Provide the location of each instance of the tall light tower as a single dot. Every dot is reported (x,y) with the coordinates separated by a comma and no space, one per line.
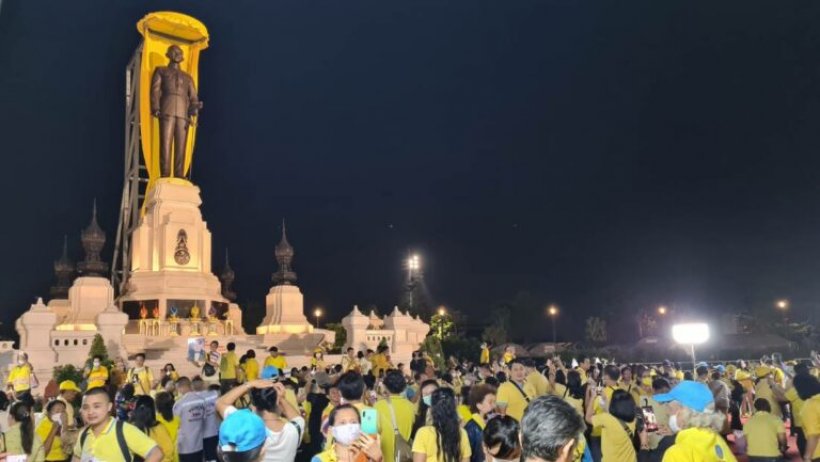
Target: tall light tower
(414,286)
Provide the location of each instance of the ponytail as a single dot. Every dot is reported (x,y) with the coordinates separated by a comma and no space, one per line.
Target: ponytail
(21,413)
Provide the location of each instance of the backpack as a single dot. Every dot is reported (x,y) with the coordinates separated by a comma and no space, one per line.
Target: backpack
(126,453)
(402,450)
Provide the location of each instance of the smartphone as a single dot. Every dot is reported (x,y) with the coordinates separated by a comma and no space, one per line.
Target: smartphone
(650,422)
(370,421)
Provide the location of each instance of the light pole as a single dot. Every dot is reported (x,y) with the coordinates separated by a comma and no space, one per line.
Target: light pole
(662,310)
(413,268)
(317,313)
(783,306)
(441,313)
(691,334)
(553,312)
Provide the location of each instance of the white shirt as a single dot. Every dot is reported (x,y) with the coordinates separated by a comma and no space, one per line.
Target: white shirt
(280,446)
(211,418)
(191,412)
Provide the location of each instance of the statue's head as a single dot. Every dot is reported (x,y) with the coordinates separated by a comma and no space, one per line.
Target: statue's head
(174,54)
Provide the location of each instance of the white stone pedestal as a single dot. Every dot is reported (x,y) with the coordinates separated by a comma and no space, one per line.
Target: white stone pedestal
(284,312)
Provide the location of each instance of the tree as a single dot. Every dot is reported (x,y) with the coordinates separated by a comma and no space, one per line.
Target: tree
(341,336)
(432,346)
(441,325)
(596,330)
(98,348)
(497,333)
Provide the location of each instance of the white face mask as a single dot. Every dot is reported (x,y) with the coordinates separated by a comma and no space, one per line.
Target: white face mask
(96,364)
(57,418)
(347,433)
(673,423)
(21,361)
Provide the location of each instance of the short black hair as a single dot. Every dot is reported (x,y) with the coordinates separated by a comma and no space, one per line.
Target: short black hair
(761,404)
(660,383)
(806,386)
(622,406)
(139,355)
(349,348)
(97,357)
(702,370)
(53,403)
(549,423)
(612,372)
(97,391)
(214,343)
(251,354)
(502,431)
(231,346)
(395,382)
(351,386)
(273,348)
(332,418)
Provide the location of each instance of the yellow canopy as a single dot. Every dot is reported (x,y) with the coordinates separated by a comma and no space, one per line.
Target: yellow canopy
(159,31)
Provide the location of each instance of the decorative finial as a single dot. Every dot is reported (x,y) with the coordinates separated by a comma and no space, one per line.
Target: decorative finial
(93,240)
(227,277)
(284,257)
(63,271)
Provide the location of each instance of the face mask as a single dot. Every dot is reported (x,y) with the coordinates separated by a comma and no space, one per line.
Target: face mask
(347,433)
(428,400)
(96,364)
(57,418)
(21,361)
(673,423)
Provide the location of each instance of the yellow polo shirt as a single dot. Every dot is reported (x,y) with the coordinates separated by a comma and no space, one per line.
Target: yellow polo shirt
(699,445)
(485,356)
(405,415)
(278,362)
(811,421)
(105,446)
(20,378)
(12,443)
(762,390)
(163,439)
(616,444)
(510,395)
(426,442)
(596,406)
(797,406)
(478,420)
(172,428)
(227,366)
(582,373)
(56,452)
(97,377)
(761,434)
(540,384)
(142,384)
(251,369)
(380,363)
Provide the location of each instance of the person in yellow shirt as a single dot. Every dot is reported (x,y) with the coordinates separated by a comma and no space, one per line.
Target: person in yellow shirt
(165,416)
(696,424)
(443,440)
(251,366)
(349,444)
(68,393)
(380,361)
(96,373)
(763,388)
(228,365)
(484,357)
(809,392)
(616,423)
(275,359)
(482,402)
(144,417)
(540,385)
(49,431)
(20,439)
(765,434)
(583,368)
(21,379)
(514,394)
(140,375)
(395,413)
(509,355)
(317,362)
(100,439)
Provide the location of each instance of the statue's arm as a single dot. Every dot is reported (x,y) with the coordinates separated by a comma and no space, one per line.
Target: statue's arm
(195,104)
(156,92)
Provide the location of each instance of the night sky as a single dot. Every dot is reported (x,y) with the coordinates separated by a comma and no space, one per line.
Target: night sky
(604,156)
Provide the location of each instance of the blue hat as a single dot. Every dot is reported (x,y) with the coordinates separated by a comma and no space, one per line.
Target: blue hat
(720,368)
(269,372)
(242,431)
(693,395)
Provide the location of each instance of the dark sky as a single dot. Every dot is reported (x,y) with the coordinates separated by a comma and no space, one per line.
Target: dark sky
(605,156)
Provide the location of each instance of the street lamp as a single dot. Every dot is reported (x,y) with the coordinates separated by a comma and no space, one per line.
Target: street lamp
(442,311)
(691,334)
(413,263)
(317,313)
(783,304)
(661,310)
(553,312)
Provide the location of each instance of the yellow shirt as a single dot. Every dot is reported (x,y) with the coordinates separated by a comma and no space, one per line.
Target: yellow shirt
(12,444)
(761,434)
(539,383)
(56,452)
(464,414)
(251,369)
(97,377)
(163,439)
(380,363)
(762,390)
(508,357)
(616,444)
(426,442)
(583,374)
(278,362)
(172,428)
(699,445)
(811,420)
(20,378)
(485,356)
(227,366)
(797,406)
(142,383)
(561,391)
(596,406)
(515,401)
(105,447)
(405,414)
(478,420)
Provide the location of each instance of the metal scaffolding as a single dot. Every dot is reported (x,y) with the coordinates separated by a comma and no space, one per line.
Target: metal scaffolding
(135,178)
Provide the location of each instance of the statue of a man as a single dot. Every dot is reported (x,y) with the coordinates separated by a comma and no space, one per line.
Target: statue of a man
(174,102)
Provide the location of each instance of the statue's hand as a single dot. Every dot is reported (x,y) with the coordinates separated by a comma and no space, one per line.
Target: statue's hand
(155,113)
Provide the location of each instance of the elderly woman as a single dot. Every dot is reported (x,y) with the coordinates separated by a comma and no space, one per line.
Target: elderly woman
(696,423)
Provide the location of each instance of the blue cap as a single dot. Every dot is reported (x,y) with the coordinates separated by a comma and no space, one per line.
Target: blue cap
(242,431)
(693,395)
(269,372)
(720,368)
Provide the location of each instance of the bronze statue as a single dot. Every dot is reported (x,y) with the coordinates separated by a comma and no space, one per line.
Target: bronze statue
(174,102)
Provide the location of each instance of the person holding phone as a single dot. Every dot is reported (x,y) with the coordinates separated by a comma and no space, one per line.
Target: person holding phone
(349,442)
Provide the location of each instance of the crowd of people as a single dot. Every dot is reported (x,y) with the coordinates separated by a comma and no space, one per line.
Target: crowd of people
(366,408)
